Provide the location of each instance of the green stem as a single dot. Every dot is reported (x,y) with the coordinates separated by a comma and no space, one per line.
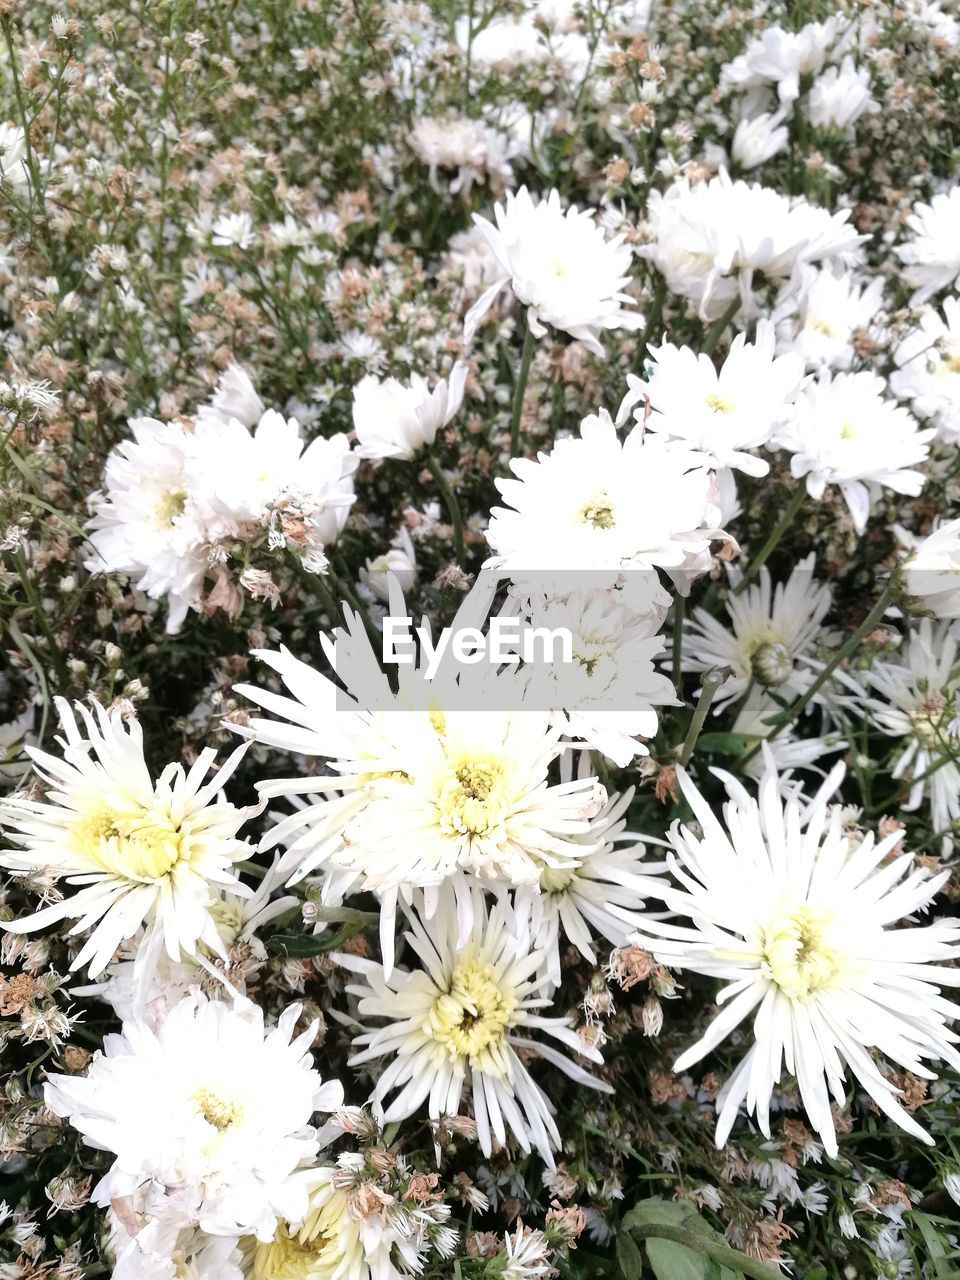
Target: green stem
(785,718)
(717,331)
(526,356)
(710,683)
(779,529)
(453,506)
(40,620)
(32,166)
(722,1254)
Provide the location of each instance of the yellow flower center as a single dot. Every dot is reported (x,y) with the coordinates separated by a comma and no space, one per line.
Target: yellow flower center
(953,364)
(472,798)
(556,879)
(598,512)
(219,1112)
(474,1014)
(822,326)
(931,720)
(798,953)
(169,507)
(718,404)
(313,1251)
(140,846)
(848,431)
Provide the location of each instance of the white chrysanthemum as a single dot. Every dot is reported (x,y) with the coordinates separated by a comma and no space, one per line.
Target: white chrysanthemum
(151,1236)
(349,1235)
(399,563)
(144,852)
(771,631)
(840,96)
(758,139)
(601,897)
(787,751)
(212,1107)
(781,57)
(459,1020)
(478,153)
(13,152)
(712,239)
(544,32)
(933,571)
(821,311)
(795,918)
(234,398)
(721,414)
(560,266)
(846,432)
(928,369)
(931,257)
(394,420)
(596,503)
(915,697)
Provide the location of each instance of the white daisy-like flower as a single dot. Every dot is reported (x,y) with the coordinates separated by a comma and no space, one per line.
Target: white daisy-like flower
(150,1231)
(477,152)
(459,1020)
(234,397)
(928,369)
(211,1107)
(143,852)
(722,414)
(349,1235)
(560,266)
(915,697)
(713,239)
(601,897)
(787,751)
(933,571)
(798,920)
(848,433)
(772,630)
(394,420)
(931,258)
(758,139)
(399,563)
(840,96)
(820,311)
(781,57)
(13,164)
(596,503)
(232,230)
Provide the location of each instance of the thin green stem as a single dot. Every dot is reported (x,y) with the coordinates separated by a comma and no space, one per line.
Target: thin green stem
(32,167)
(710,684)
(776,533)
(40,620)
(453,506)
(722,1254)
(523,374)
(717,331)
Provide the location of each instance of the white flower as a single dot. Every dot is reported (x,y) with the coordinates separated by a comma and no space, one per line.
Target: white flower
(469,256)
(770,634)
(528,1255)
(150,1232)
(787,751)
(477,152)
(393,420)
(840,96)
(602,896)
(933,571)
(914,697)
(713,238)
(234,397)
(928,369)
(211,1107)
(596,503)
(794,918)
(846,432)
(400,562)
(560,266)
(459,1020)
(233,229)
(820,312)
(13,151)
(145,852)
(758,139)
(721,414)
(932,257)
(781,57)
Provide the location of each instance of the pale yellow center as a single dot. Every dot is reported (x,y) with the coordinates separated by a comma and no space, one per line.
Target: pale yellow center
(313,1251)
(169,507)
(847,431)
(474,1014)
(140,846)
(472,796)
(798,952)
(931,719)
(822,326)
(556,879)
(598,512)
(953,364)
(718,404)
(219,1112)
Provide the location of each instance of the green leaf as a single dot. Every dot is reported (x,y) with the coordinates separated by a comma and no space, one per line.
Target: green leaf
(674,1261)
(629,1257)
(725,744)
(675,1213)
(303,945)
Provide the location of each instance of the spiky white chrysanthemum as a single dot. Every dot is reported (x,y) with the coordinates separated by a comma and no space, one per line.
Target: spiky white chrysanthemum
(145,853)
(848,433)
(771,631)
(781,57)
(788,751)
(212,1107)
(602,896)
(915,697)
(820,312)
(932,574)
(712,239)
(721,414)
(459,1020)
(928,369)
(354,1229)
(396,420)
(795,917)
(840,96)
(560,266)
(597,503)
(932,257)
(759,138)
